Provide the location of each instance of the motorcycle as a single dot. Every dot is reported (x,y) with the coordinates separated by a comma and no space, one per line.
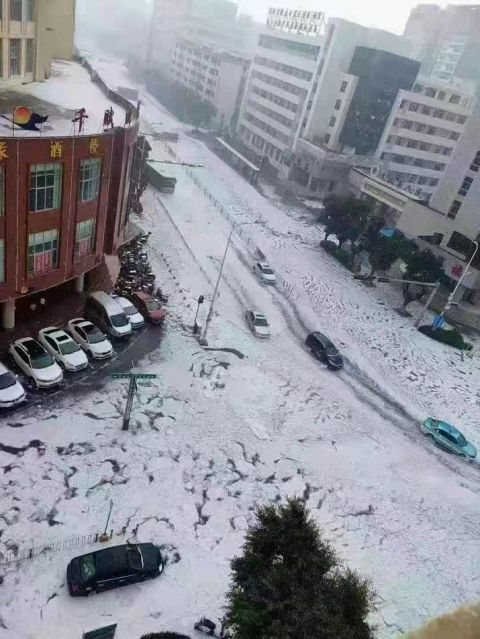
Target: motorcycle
(208,627)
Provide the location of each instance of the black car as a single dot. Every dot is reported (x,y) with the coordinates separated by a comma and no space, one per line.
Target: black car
(324,350)
(113,567)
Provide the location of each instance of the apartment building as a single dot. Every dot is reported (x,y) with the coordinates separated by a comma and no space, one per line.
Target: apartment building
(215,75)
(32,33)
(422,133)
(282,79)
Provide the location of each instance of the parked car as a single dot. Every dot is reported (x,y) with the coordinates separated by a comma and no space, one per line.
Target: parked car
(448,437)
(90,338)
(108,315)
(113,567)
(258,324)
(36,363)
(63,348)
(265,272)
(131,311)
(11,391)
(149,307)
(324,350)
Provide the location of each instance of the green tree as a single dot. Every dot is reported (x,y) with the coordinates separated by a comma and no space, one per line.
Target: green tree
(345,217)
(382,254)
(422,266)
(289,584)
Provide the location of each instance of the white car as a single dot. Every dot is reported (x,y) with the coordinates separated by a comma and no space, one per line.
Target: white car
(36,363)
(11,391)
(258,324)
(265,272)
(63,348)
(131,311)
(90,338)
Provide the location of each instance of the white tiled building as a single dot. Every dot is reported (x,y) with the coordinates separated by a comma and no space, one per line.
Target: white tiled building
(215,75)
(422,133)
(282,79)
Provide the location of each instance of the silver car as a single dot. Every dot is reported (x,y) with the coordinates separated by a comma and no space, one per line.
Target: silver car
(258,324)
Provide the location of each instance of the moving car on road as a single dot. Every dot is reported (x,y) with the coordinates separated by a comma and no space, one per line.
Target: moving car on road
(258,324)
(324,350)
(90,338)
(265,272)
(11,391)
(448,437)
(149,307)
(36,363)
(133,314)
(113,567)
(63,348)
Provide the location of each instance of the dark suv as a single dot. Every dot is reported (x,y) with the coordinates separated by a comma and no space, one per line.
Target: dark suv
(113,567)
(324,350)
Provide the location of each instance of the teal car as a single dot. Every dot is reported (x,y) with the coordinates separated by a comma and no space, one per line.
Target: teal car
(448,437)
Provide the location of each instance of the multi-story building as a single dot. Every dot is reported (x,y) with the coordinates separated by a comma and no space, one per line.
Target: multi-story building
(282,80)
(422,133)
(32,33)
(215,75)
(448,38)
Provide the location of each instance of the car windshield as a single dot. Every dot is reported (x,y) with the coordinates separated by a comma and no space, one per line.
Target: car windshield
(119,320)
(87,567)
(267,270)
(134,558)
(7,380)
(152,305)
(94,336)
(39,357)
(68,347)
(261,321)
(130,310)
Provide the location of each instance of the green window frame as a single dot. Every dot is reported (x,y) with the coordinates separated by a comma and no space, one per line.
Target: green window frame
(45,187)
(90,178)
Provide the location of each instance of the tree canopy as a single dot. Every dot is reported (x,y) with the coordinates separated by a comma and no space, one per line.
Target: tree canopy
(345,217)
(289,584)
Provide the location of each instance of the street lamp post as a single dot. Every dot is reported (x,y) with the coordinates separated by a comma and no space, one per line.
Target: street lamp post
(210,310)
(448,303)
(200,301)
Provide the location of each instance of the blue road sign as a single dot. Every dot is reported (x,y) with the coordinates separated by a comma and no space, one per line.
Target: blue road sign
(438,322)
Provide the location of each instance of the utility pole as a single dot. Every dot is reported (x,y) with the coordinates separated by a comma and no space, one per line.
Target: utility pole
(132,388)
(210,310)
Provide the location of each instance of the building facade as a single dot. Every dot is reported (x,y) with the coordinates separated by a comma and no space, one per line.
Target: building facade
(63,205)
(282,80)
(424,128)
(215,75)
(32,33)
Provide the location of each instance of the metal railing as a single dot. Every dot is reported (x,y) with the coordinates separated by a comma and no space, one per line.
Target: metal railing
(13,555)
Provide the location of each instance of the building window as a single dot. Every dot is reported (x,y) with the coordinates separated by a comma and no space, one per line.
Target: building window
(466,184)
(90,179)
(476,162)
(461,119)
(29,57)
(2,191)
(454,99)
(15,60)
(85,238)
(327,138)
(2,261)
(42,252)
(16,10)
(441,95)
(430,92)
(45,187)
(417,88)
(338,104)
(343,86)
(30,10)
(332,121)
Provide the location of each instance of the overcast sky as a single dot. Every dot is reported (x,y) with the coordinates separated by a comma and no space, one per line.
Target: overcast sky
(384,14)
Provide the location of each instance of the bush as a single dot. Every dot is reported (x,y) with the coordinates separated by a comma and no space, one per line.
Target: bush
(342,256)
(445,336)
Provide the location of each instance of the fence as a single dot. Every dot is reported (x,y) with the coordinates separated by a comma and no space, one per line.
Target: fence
(14,555)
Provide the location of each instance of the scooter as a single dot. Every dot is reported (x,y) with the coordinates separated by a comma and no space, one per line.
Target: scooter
(209,628)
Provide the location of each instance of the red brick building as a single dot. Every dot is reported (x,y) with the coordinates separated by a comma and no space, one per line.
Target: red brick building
(63,206)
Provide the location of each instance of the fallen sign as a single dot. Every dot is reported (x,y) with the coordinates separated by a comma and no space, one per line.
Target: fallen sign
(107,632)
(135,375)
(132,388)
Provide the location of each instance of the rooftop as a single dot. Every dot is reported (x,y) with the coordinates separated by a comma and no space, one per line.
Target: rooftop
(68,89)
